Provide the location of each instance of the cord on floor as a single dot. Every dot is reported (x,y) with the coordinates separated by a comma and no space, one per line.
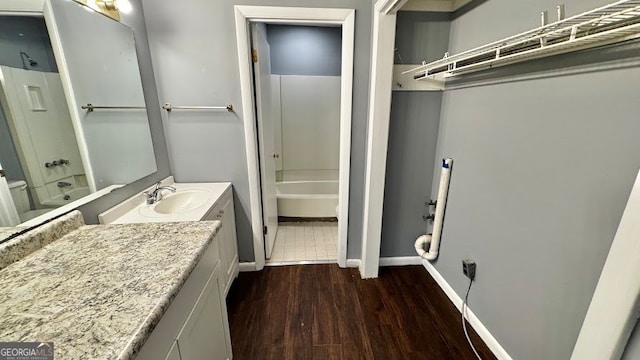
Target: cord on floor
(464,320)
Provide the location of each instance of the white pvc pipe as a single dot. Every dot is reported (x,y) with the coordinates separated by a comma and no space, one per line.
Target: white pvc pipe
(433,240)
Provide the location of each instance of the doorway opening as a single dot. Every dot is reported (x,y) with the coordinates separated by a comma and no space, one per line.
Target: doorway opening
(297,94)
(296,72)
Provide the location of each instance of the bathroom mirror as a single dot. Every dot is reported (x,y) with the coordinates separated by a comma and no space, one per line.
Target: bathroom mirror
(73,121)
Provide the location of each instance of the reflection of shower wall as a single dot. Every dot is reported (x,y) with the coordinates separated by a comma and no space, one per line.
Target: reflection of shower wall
(34,41)
(308,125)
(41,129)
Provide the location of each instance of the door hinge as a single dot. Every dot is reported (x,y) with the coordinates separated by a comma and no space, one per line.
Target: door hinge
(254,55)
(264,230)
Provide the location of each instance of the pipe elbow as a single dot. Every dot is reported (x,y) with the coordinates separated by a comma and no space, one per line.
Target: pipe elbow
(420,244)
(420,248)
(430,255)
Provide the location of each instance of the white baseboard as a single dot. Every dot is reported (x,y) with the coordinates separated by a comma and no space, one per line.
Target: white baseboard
(482,331)
(400,261)
(247,266)
(353,263)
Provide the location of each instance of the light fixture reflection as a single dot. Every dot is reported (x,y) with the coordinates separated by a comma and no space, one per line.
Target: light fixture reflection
(124,6)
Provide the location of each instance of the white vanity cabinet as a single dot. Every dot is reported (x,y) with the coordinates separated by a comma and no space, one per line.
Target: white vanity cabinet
(228,243)
(196,325)
(215,202)
(200,338)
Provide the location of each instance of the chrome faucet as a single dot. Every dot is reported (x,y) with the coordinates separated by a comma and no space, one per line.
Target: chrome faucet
(63,184)
(156,194)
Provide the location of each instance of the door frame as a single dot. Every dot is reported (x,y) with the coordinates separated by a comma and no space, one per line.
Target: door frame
(380,93)
(295,15)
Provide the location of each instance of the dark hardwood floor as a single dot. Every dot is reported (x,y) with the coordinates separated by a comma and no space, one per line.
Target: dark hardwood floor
(324,312)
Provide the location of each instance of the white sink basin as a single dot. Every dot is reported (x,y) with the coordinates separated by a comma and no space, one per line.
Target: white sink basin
(177,203)
(190,202)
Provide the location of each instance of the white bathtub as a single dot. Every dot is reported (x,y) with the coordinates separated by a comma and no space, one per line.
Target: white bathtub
(313,199)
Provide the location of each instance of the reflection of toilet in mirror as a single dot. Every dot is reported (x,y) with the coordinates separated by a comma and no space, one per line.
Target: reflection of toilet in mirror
(20,196)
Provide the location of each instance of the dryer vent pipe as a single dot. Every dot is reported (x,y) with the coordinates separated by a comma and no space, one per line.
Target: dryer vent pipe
(432,241)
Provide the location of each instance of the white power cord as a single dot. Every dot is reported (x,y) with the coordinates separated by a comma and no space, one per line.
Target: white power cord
(464,320)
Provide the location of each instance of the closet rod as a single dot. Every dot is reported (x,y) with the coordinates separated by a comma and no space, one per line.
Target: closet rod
(170,107)
(91,107)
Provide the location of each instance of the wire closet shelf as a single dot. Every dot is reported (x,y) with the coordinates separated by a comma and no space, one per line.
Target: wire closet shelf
(616,22)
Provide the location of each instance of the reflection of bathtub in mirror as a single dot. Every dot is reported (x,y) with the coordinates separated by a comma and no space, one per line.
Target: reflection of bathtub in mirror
(45,137)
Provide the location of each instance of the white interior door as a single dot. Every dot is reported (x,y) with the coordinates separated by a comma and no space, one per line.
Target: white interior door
(264,115)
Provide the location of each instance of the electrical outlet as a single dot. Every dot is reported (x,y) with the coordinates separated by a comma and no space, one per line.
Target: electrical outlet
(469,268)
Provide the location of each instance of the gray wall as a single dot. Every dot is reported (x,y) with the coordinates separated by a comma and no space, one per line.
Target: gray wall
(305,50)
(421,36)
(542,170)
(135,20)
(413,134)
(195,59)
(27,34)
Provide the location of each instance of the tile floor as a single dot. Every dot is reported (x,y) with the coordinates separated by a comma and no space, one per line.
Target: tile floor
(299,241)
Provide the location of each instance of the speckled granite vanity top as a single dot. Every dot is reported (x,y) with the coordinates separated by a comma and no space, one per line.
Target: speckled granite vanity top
(6,231)
(35,239)
(99,291)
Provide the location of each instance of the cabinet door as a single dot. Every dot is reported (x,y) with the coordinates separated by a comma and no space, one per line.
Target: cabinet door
(204,334)
(173,354)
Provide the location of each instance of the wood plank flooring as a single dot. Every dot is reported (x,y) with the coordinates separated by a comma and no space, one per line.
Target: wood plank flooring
(324,312)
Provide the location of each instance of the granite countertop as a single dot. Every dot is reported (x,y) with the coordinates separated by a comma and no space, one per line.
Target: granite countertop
(35,239)
(99,291)
(6,231)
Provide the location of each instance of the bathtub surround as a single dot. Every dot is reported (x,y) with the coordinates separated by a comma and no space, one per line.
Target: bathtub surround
(306,100)
(309,123)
